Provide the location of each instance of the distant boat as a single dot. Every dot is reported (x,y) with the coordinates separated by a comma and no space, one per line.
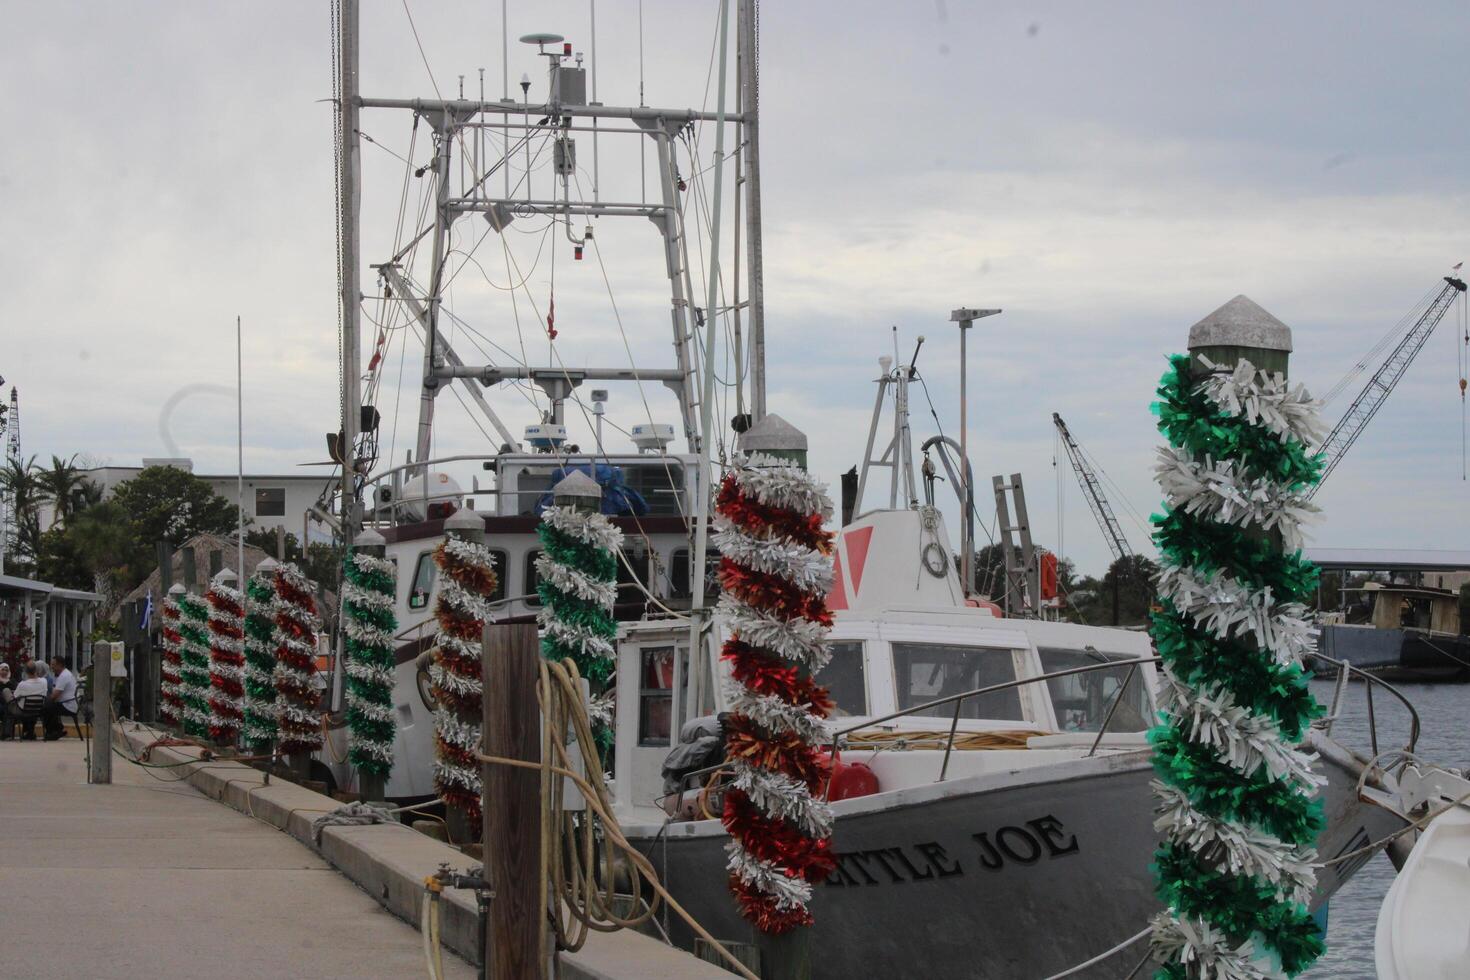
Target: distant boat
(1401,632)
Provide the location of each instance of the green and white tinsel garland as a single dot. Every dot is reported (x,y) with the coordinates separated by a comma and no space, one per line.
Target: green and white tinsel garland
(577,576)
(1235,789)
(368,586)
(259,729)
(194,669)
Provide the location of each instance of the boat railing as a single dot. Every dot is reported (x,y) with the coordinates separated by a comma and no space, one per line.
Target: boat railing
(391,512)
(958,701)
(1345,673)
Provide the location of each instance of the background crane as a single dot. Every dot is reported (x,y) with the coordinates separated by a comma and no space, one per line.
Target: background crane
(1092,490)
(1378,388)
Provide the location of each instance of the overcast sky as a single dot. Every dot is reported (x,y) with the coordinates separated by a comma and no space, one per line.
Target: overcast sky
(1108,174)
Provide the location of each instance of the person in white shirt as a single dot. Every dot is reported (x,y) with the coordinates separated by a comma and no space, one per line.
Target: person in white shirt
(33,683)
(63,699)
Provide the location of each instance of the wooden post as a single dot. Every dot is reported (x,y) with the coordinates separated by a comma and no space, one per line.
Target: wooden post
(515,937)
(372,786)
(464,525)
(190,572)
(101,713)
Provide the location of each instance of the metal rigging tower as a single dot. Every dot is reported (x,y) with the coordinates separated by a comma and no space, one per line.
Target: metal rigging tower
(1092,490)
(10,429)
(1378,388)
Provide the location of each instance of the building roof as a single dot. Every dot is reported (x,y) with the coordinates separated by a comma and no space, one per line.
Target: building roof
(1389,559)
(201,545)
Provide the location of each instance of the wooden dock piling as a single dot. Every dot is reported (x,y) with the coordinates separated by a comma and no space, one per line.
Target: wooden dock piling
(515,945)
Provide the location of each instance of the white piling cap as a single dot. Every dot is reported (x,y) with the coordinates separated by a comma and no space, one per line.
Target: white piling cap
(464,519)
(269,566)
(1240,323)
(577,484)
(225,576)
(370,538)
(772,434)
(177,589)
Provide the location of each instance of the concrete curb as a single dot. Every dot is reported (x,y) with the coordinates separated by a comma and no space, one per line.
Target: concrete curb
(390,863)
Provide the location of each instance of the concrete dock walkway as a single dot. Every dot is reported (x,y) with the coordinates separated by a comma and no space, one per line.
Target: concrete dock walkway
(148,878)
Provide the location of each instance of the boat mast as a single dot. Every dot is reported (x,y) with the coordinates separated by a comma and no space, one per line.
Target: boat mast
(749,68)
(348,248)
(707,407)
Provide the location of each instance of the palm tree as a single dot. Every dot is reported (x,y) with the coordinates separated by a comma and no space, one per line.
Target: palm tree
(62,483)
(22,484)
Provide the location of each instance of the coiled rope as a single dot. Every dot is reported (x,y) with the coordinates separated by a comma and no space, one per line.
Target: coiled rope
(582,873)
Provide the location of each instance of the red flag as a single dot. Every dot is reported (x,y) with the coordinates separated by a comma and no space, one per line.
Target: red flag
(551,318)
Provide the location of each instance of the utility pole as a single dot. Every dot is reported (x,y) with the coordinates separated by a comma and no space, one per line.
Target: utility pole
(348,247)
(966,318)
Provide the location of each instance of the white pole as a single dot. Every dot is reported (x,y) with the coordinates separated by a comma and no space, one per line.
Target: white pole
(707,395)
(240,448)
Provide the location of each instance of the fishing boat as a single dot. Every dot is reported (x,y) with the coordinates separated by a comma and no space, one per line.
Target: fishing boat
(995,816)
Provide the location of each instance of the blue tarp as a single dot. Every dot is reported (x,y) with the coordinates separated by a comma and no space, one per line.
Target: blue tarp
(618,499)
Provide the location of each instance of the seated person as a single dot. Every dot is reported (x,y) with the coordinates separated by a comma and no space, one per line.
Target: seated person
(63,699)
(32,684)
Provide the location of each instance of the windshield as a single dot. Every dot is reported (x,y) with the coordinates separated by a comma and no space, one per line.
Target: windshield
(845,679)
(927,671)
(1081,701)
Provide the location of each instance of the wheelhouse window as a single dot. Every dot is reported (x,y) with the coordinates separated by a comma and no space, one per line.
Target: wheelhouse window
(1082,701)
(846,679)
(929,671)
(270,501)
(532,579)
(422,586)
(656,694)
(498,562)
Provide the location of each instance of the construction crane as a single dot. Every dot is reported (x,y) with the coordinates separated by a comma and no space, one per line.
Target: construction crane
(1378,388)
(1092,490)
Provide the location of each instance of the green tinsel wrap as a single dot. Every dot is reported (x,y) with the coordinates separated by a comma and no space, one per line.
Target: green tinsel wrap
(585,616)
(1188,540)
(1187,418)
(260,662)
(1227,589)
(368,588)
(194,670)
(1239,904)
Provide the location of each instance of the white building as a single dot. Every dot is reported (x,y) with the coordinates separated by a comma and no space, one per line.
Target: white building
(270,501)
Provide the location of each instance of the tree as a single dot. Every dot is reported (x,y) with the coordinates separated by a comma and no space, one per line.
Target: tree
(164,503)
(110,547)
(321,562)
(64,485)
(22,482)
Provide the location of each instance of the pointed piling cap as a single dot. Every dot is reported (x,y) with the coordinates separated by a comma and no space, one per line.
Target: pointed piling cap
(177,589)
(267,567)
(577,484)
(464,519)
(772,434)
(225,576)
(1240,323)
(370,538)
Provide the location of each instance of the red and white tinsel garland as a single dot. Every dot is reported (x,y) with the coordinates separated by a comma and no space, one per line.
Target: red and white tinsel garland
(170,703)
(226,662)
(298,684)
(775,572)
(462,609)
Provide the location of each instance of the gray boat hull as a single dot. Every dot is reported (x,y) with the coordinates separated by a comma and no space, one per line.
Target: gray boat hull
(1018,874)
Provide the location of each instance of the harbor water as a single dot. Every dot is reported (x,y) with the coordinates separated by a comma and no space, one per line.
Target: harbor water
(1444,710)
